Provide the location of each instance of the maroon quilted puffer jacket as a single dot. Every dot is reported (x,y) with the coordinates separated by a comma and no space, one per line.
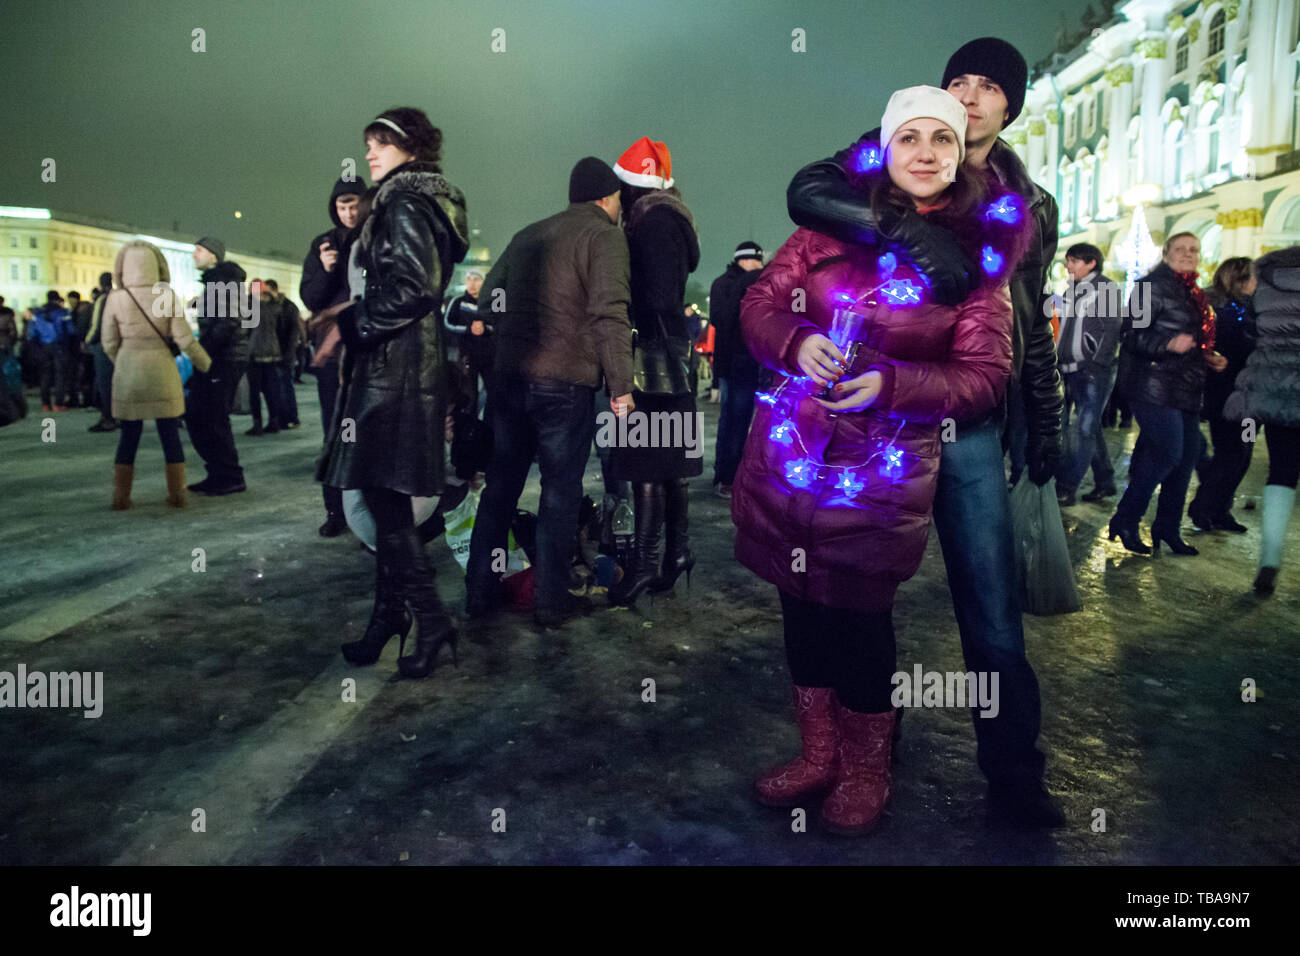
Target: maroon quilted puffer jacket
(937,362)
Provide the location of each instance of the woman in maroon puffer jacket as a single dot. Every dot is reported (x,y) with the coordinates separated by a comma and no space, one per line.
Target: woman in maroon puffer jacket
(832,502)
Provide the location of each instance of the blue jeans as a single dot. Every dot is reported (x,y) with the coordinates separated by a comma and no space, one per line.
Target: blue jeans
(1165,454)
(1086,393)
(733,423)
(972,514)
(552,421)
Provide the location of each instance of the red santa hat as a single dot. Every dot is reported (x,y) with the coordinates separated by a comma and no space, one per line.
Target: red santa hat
(646,164)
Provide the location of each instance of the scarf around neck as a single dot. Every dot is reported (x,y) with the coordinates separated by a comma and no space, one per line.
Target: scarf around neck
(1202,304)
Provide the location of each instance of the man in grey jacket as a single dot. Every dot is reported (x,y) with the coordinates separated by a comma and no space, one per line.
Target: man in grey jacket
(1091,321)
(558,298)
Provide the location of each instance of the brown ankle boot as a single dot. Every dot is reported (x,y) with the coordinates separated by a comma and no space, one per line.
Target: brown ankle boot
(813,772)
(122,478)
(176,484)
(861,792)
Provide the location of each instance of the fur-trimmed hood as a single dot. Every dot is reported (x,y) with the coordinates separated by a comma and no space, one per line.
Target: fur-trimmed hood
(423,180)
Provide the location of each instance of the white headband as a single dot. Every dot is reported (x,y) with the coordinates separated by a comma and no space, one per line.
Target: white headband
(392,125)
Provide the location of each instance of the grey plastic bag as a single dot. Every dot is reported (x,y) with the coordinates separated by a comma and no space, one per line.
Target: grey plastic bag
(1042,556)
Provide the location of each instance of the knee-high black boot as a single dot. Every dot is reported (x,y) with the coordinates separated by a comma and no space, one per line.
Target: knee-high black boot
(389,616)
(644,566)
(433,625)
(678,556)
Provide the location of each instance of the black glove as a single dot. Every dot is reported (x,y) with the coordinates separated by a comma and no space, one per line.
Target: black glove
(934,251)
(1041,458)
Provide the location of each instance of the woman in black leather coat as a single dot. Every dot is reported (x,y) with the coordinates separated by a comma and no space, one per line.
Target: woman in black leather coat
(1167,347)
(663,250)
(388,438)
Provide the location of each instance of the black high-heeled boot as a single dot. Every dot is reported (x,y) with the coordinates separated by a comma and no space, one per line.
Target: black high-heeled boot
(433,625)
(1172,538)
(678,557)
(1128,534)
(644,565)
(388,618)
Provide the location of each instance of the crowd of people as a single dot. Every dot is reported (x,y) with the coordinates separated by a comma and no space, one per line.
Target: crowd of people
(911,298)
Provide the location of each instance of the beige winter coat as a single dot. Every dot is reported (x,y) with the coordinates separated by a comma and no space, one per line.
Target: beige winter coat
(146,383)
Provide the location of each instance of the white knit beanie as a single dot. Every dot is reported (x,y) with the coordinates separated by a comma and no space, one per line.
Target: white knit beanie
(924,101)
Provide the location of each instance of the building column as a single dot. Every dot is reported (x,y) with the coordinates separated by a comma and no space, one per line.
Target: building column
(1121,109)
(1052,140)
(1259,77)
(1037,129)
(1283,80)
(1152,51)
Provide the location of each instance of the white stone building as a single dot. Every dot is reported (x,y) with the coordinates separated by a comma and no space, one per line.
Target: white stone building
(1198,103)
(42,250)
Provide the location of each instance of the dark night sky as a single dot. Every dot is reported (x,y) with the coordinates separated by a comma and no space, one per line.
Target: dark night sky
(147,132)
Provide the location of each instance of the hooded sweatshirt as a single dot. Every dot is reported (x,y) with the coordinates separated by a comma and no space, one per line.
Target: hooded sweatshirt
(320,289)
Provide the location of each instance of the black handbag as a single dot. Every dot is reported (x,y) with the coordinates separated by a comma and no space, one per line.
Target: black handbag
(659,365)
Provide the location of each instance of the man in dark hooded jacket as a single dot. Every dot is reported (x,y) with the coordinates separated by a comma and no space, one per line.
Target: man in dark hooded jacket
(972,511)
(325,286)
(733,366)
(222,306)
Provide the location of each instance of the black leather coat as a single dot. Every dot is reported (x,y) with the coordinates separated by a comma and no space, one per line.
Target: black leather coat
(1148,371)
(389,427)
(822,197)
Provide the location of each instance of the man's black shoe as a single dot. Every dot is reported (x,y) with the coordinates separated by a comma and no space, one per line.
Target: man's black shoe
(1099,493)
(201,486)
(103,425)
(217,490)
(257,430)
(1065,499)
(1026,806)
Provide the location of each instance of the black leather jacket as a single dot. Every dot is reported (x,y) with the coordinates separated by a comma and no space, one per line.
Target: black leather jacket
(1148,371)
(822,197)
(395,387)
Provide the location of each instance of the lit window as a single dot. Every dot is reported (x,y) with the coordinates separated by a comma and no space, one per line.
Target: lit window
(1216,32)
(35,272)
(1180,54)
(13,272)
(13,242)
(31,241)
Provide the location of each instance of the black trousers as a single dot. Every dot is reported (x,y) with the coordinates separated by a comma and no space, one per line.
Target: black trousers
(1223,473)
(264,379)
(390,509)
(207,419)
(851,651)
(327,390)
(1283,455)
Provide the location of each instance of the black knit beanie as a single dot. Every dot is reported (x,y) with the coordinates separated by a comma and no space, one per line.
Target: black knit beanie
(1000,62)
(592,179)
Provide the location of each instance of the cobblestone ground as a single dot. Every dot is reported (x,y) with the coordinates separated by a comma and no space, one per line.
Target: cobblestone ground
(222,693)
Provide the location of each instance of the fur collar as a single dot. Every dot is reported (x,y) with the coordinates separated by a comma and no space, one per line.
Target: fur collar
(421,179)
(417,177)
(672,198)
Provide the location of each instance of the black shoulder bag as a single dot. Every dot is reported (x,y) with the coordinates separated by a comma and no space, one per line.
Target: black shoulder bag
(167,339)
(659,365)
